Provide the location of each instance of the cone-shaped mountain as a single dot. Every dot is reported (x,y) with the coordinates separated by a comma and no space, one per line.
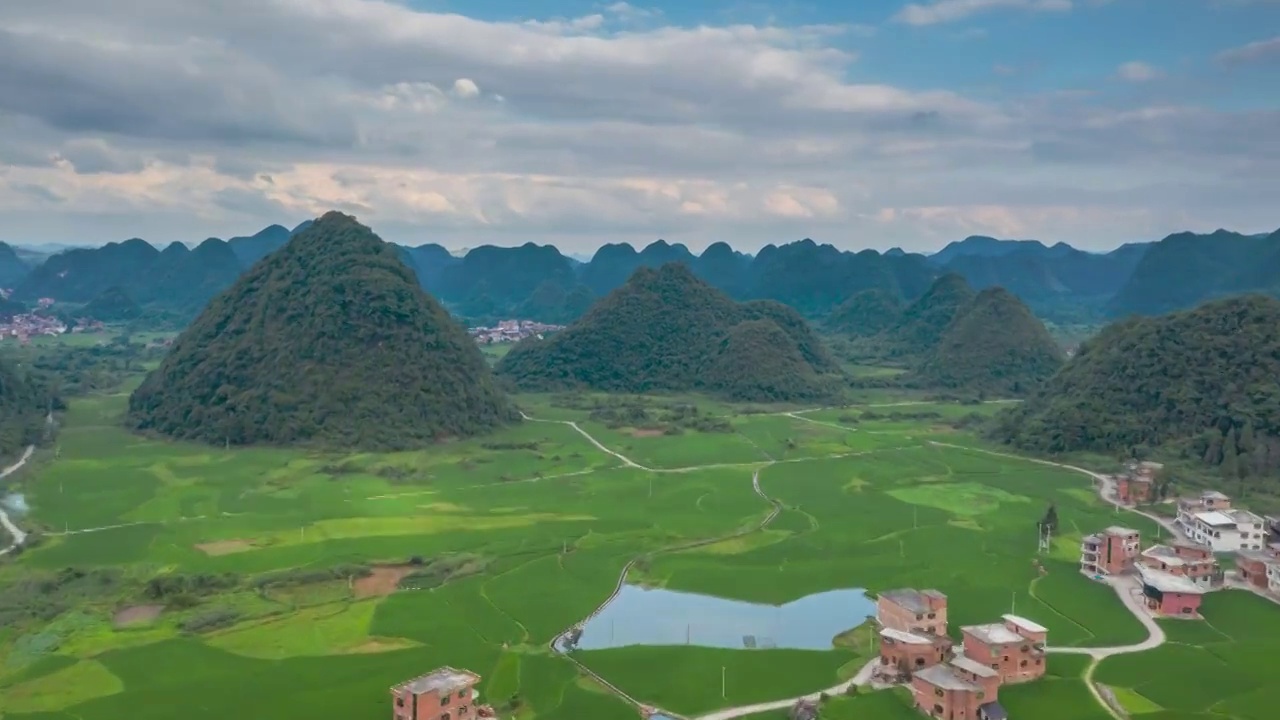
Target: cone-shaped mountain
(328,341)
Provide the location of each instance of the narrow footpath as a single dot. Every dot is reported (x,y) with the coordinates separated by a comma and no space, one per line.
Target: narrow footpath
(19,537)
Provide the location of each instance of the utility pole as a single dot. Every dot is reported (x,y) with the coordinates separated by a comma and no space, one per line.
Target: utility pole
(1013,603)
(723,694)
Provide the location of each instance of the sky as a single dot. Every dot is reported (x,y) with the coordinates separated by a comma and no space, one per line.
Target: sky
(867,124)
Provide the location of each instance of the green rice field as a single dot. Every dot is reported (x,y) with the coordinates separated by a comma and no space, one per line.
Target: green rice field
(285,584)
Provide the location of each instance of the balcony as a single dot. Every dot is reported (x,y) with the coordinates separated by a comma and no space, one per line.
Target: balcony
(1089,547)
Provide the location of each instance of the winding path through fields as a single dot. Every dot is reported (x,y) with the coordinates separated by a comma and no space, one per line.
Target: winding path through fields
(19,537)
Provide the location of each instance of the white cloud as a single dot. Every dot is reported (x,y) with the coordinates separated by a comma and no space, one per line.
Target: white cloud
(181,120)
(465,88)
(1136,71)
(946,11)
(1252,52)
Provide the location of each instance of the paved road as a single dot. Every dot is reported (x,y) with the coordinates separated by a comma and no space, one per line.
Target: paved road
(1129,590)
(19,537)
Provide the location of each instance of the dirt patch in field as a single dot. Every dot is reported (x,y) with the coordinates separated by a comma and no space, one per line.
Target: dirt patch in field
(137,615)
(646,432)
(382,581)
(224,547)
(379,646)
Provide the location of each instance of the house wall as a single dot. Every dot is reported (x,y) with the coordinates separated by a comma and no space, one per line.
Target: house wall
(1273,578)
(1016,662)
(1253,572)
(945,704)
(459,706)
(1175,604)
(910,657)
(893,615)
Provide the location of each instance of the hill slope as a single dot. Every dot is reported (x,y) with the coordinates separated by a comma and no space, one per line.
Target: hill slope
(329,340)
(1193,378)
(994,345)
(865,314)
(758,362)
(922,324)
(23,405)
(662,330)
(112,305)
(12,268)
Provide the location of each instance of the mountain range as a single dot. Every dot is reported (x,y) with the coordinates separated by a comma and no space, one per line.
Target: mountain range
(1058,282)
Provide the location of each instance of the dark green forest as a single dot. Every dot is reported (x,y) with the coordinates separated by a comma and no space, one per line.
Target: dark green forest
(666,330)
(329,341)
(1199,384)
(25,400)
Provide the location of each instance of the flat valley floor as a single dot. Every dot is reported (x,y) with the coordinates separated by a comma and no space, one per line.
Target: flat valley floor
(304,585)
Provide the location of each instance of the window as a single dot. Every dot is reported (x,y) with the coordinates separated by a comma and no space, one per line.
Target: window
(938,692)
(445,716)
(1022,664)
(444,700)
(919,616)
(1025,648)
(400,702)
(1038,661)
(933,615)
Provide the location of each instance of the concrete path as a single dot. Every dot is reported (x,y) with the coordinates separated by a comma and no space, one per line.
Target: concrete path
(1129,591)
(19,537)
(863,678)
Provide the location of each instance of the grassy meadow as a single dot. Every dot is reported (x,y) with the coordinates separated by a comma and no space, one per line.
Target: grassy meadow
(292,584)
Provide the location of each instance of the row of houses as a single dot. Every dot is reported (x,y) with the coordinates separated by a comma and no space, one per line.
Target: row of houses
(511,331)
(949,681)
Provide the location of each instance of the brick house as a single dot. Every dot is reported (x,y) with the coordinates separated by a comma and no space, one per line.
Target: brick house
(442,694)
(1186,558)
(1014,649)
(959,690)
(1109,552)
(913,611)
(1170,595)
(910,652)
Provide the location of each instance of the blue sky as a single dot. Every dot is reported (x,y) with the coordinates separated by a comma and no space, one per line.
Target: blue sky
(865,124)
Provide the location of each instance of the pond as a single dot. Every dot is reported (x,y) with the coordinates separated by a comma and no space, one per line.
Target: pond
(649,616)
(15,503)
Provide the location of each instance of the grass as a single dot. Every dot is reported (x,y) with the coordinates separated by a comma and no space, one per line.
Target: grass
(1222,669)
(550,520)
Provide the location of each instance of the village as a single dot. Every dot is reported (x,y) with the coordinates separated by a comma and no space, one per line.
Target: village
(962,680)
(509,331)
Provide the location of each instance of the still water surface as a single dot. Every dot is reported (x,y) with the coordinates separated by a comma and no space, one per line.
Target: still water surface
(641,616)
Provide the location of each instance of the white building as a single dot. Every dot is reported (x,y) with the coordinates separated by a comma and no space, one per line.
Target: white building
(1226,530)
(1273,578)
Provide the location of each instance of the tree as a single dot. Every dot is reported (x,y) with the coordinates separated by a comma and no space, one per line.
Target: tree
(1049,523)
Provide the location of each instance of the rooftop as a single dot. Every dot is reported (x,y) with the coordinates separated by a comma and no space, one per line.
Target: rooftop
(916,601)
(1215,518)
(906,637)
(993,711)
(1243,516)
(442,680)
(1258,556)
(1213,495)
(993,634)
(1025,624)
(973,666)
(1165,582)
(944,677)
(1118,530)
(1164,554)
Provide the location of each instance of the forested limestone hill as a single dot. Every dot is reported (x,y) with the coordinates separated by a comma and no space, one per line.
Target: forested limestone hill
(24,403)
(995,345)
(665,329)
(865,314)
(1202,382)
(327,341)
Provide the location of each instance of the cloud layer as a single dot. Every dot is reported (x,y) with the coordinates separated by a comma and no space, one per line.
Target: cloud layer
(180,120)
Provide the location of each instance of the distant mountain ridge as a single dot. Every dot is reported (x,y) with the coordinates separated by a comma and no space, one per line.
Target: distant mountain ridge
(1058,282)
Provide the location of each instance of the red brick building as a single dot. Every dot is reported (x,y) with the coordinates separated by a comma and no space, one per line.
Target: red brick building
(442,694)
(959,690)
(913,611)
(1185,558)
(1109,552)
(1170,595)
(1259,567)
(913,629)
(1014,649)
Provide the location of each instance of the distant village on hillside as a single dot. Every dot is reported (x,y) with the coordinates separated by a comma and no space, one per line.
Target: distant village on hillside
(25,326)
(511,331)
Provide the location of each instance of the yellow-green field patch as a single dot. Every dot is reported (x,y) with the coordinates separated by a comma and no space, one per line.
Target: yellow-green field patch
(86,680)
(957,498)
(325,630)
(744,543)
(1134,703)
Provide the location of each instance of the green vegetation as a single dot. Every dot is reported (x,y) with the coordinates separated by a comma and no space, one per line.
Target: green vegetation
(865,314)
(112,305)
(921,326)
(994,345)
(329,340)
(666,330)
(12,268)
(1198,384)
(1227,675)
(24,403)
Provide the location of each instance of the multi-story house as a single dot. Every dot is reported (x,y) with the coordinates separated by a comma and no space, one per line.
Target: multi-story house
(442,694)
(1109,552)
(1205,502)
(1014,649)
(958,690)
(1185,558)
(1226,530)
(1137,484)
(913,629)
